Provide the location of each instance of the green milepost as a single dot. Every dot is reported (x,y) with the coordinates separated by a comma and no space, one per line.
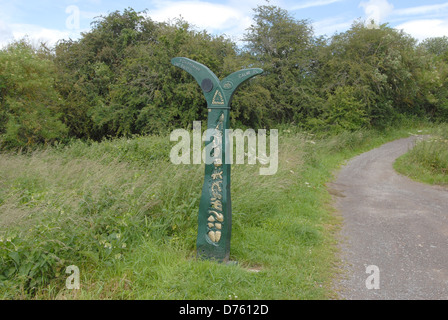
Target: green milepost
(215,208)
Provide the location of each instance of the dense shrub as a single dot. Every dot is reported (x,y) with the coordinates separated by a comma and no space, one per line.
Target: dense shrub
(117,79)
(29,102)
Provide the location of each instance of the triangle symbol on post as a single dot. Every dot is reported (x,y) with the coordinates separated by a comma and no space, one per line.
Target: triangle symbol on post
(218,98)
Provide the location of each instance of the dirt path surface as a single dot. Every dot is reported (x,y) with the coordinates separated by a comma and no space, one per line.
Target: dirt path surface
(391,222)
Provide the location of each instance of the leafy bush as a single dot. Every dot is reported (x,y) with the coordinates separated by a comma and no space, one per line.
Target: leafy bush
(29,103)
(117,79)
(344,111)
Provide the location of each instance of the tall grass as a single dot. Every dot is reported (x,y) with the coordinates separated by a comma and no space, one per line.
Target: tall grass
(58,209)
(127,217)
(428,160)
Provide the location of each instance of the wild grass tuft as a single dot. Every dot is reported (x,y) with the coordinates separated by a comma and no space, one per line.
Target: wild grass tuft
(428,160)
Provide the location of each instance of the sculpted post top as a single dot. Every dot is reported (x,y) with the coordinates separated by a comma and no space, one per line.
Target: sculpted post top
(217,93)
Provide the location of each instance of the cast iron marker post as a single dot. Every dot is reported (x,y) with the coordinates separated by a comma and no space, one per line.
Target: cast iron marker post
(215,208)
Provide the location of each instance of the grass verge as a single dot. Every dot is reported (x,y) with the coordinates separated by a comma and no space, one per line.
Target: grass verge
(126,216)
(428,161)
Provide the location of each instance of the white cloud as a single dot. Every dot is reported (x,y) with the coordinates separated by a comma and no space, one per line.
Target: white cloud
(425,28)
(424,21)
(316,3)
(377,10)
(13,30)
(330,26)
(215,18)
(5,33)
(34,33)
(420,10)
(50,36)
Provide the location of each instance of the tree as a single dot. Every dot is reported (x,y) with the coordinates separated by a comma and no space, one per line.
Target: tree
(434,79)
(29,102)
(119,79)
(285,48)
(437,46)
(381,65)
(88,69)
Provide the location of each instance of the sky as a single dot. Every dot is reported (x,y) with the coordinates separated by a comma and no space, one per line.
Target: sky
(51,20)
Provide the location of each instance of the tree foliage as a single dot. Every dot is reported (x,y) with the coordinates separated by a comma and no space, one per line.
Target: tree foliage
(120,81)
(117,79)
(381,65)
(29,102)
(284,48)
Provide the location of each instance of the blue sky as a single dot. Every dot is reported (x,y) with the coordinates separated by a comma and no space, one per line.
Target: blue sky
(51,20)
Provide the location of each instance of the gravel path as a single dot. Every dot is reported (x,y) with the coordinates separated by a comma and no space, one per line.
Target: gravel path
(396,225)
